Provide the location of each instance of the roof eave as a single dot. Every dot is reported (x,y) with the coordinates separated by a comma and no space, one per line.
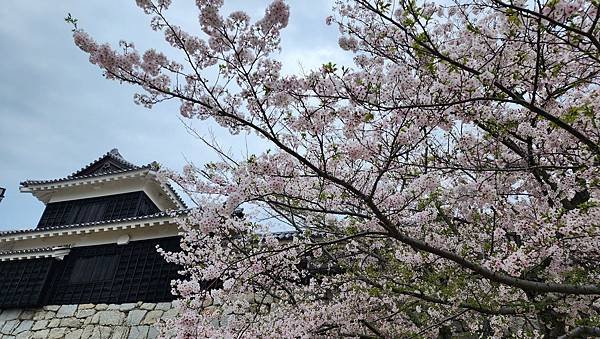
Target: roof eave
(58,252)
(72,181)
(167,188)
(93,227)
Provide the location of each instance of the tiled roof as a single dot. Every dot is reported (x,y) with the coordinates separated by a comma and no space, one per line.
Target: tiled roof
(93,223)
(177,196)
(30,253)
(34,250)
(51,181)
(111,155)
(114,155)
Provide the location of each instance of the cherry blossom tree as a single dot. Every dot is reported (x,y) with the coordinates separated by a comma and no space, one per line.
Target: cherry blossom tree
(446,182)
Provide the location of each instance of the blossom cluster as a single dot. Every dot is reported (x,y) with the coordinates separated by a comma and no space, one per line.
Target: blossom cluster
(447,180)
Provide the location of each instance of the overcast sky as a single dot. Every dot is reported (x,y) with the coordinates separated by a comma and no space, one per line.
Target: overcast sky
(57,113)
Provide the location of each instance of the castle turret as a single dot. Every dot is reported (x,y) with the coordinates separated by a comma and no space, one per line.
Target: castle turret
(96,239)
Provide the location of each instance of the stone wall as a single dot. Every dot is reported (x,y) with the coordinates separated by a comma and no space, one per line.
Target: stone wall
(86,321)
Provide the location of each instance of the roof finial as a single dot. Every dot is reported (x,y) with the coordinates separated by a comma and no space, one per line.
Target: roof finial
(115,153)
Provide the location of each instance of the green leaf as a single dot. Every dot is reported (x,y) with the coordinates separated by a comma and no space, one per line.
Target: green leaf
(575,112)
(383,6)
(266,89)
(329,67)
(71,20)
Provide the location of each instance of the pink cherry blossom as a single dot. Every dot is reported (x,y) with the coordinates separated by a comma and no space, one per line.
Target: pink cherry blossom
(445,183)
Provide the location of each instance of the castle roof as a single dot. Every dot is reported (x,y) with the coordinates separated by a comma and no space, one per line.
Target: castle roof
(110,163)
(109,167)
(94,225)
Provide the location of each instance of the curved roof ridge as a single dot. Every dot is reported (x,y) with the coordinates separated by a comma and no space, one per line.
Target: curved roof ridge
(112,154)
(84,176)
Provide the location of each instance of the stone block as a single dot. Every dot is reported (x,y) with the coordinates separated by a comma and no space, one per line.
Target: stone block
(110,317)
(172,313)
(95,319)
(25,325)
(39,315)
(66,311)
(163,306)
(138,332)
(148,306)
(54,323)
(85,306)
(27,315)
(113,307)
(105,331)
(152,317)
(127,307)
(43,334)
(96,333)
(50,315)
(51,308)
(85,313)
(120,332)
(101,307)
(70,322)
(87,332)
(76,334)
(39,324)
(10,314)
(57,333)
(152,333)
(9,326)
(135,317)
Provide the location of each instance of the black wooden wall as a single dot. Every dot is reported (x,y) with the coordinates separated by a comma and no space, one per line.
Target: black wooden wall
(22,282)
(108,207)
(109,274)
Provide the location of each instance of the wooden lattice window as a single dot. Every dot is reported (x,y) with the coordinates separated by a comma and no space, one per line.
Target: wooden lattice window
(97,209)
(22,282)
(114,274)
